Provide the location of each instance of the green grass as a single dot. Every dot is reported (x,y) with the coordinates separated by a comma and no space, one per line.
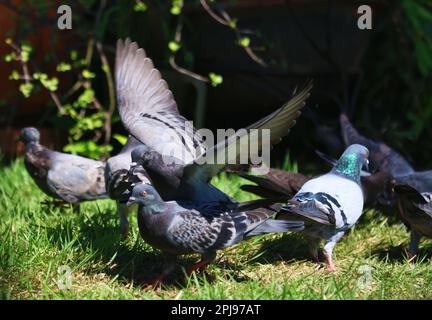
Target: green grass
(36,240)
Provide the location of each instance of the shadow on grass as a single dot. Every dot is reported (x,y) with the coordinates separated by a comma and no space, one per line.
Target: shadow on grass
(398,254)
(290,247)
(129,260)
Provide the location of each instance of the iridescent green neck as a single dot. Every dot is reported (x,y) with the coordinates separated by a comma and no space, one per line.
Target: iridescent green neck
(152,208)
(349,167)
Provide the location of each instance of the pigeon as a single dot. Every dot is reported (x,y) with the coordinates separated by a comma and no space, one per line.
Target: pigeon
(330,204)
(176,154)
(415,210)
(377,187)
(382,157)
(68,177)
(119,176)
(178,228)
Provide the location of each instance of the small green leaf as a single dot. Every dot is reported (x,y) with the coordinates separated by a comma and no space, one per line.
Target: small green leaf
(26,89)
(9,57)
(88,74)
(233,23)
(73,55)
(140,6)
(8,41)
(26,48)
(63,67)
(105,68)
(176,7)
(84,99)
(50,84)
(14,75)
(244,42)
(174,46)
(215,79)
(120,138)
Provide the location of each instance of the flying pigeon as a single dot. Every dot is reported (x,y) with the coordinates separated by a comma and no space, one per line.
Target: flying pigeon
(119,177)
(178,228)
(330,204)
(68,177)
(415,210)
(176,154)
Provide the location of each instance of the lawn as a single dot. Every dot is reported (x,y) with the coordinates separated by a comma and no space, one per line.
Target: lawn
(40,245)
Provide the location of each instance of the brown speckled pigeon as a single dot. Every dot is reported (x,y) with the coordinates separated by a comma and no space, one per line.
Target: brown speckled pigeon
(415,210)
(178,228)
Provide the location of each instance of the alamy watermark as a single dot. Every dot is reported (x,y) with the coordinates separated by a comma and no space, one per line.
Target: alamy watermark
(64,21)
(227,147)
(64,277)
(364,22)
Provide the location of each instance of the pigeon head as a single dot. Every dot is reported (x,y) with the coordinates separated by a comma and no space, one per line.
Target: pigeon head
(144,194)
(349,165)
(29,134)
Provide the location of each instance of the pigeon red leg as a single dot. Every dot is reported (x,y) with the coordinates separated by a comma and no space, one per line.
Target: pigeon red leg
(156,282)
(205,260)
(331,267)
(328,252)
(198,266)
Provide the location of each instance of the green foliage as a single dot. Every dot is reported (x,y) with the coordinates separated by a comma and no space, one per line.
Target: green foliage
(120,138)
(63,67)
(215,79)
(174,46)
(26,89)
(289,165)
(419,14)
(176,7)
(140,6)
(89,148)
(244,42)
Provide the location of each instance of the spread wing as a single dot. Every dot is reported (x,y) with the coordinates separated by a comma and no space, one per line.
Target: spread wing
(147,107)
(237,147)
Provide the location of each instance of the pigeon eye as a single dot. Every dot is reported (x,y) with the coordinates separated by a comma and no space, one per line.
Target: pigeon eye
(143,193)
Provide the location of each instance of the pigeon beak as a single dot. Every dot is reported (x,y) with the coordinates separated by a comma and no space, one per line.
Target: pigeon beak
(366,165)
(131,201)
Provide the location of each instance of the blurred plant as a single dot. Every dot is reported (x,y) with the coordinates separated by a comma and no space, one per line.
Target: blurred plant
(79,103)
(402,80)
(87,107)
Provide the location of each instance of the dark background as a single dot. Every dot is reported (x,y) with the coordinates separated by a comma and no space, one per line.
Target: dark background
(382,77)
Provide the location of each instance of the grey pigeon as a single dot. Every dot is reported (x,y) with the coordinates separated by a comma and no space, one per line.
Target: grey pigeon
(68,177)
(119,177)
(330,204)
(178,228)
(415,210)
(175,152)
(377,187)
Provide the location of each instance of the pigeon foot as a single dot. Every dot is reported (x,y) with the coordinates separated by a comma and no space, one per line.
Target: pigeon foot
(155,284)
(198,266)
(331,267)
